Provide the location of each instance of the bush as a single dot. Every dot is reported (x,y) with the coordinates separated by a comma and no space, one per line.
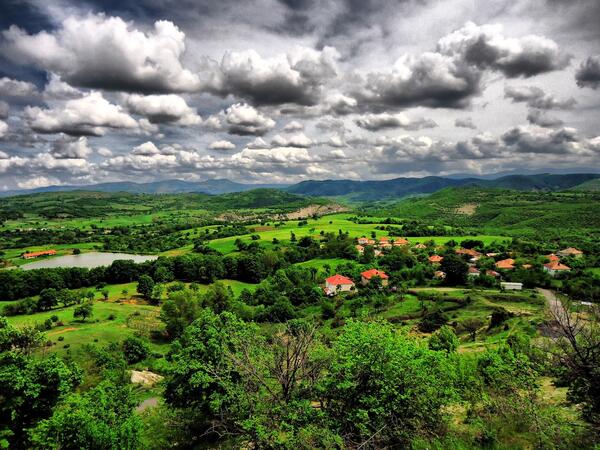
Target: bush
(61,338)
(111,317)
(135,350)
(66,345)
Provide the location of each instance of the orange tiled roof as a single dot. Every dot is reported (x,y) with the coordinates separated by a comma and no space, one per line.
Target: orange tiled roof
(506,264)
(435,258)
(338,280)
(42,253)
(555,265)
(368,274)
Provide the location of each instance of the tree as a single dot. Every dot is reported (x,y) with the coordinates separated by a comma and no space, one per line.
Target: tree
(102,418)
(105,294)
(181,309)
(48,299)
(444,339)
(135,350)
(145,286)
(84,311)
(383,388)
(471,326)
(218,297)
(455,269)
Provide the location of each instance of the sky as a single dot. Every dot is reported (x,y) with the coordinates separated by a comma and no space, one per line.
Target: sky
(280,91)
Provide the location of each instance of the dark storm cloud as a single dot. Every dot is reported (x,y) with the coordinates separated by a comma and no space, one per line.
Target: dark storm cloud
(588,73)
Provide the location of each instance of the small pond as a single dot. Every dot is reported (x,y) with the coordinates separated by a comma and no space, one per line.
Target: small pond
(89,260)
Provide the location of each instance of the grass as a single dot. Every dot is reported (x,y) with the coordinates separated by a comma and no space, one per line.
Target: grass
(14,254)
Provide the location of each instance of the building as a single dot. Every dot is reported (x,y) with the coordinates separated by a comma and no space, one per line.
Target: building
(366,276)
(469,252)
(360,249)
(435,259)
(511,286)
(400,241)
(439,275)
(377,252)
(570,251)
(552,257)
(473,272)
(385,245)
(38,254)
(420,246)
(338,283)
(506,264)
(526,266)
(555,267)
(363,240)
(492,273)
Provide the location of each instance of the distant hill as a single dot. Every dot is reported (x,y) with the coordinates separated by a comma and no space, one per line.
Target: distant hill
(214,187)
(590,186)
(499,210)
(349,189)
(404,187)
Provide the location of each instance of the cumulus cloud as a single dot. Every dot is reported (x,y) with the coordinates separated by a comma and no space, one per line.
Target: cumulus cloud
(543,119)
(242,119)
(71,148)
(169,108)
(58,89)
(535,97)
(465,122)
(528,139)
(298,140)
(37,182)
(296,77)
(222,145)
(3,128)
(100,52)
(486,47)
(376,122)
(16,88)
(340,104)
(292,126)
(588,73)
(89,115)
(105,152)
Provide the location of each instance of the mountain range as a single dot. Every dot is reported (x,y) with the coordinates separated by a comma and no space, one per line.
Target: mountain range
(350,189)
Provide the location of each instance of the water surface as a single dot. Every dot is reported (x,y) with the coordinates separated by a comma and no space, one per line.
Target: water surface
(88,260)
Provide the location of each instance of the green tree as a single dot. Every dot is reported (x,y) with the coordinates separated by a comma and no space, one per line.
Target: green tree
(84,311)
(444,339)
(455,269)
(102,418)
(105,294)
(48,299)
(145,286)
(181,309)
(383,388)
(218,297)
(135,350)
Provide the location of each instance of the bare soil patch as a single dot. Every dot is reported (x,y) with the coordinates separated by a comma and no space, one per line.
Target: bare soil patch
(468,209)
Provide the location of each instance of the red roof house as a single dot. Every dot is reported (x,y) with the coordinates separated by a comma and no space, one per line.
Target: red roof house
(338,283)
(435,259)
(555,267)
(506,264)
(38,254)
(367,275)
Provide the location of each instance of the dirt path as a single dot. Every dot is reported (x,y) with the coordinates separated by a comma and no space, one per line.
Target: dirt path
(554,303)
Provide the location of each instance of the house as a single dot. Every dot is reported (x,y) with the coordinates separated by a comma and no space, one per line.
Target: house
(570,251)
(366,276)
(38,254)
(385,245)
(338,283)
(384,240)
(556,267)
(360,249)
(491,255)
(526,266)
(492,273)
(371,242)
(552,257)
(363,240)
(435,259)
(377,252)
(468,251)
(506,264)
(439,275)
(420,246)
(473,272)
(510,286)
(400,241)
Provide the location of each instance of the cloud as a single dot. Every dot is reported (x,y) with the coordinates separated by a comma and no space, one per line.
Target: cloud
(588,73)
(292,126)
(105,152)
(341,104)
(535,97)
(89,115)
(71,148)
(58,89)
(299,140)
(170,108)
(465,122)
(37,182)
(222,145)
(102,52)
(486,47)
(16,88)
(242,119)
(376,122)
(296,77)
(542,119)
(146,149)
(527,139)
(3,128)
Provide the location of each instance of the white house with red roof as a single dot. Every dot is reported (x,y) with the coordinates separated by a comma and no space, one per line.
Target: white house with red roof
(555,267)
(338,283)
(570,251)
(366,276)
(436,259)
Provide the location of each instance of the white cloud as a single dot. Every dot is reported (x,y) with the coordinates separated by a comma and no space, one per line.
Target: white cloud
(292,126)
(3,128)
(297,140)
(222,145)
(105,152)
(101,52)
(376,122)
(71,148)
(243,119)
(88,115)
(163,109)
(37,182)
(16,88)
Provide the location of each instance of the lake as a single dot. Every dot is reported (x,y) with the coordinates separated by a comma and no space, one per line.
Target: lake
(88,260)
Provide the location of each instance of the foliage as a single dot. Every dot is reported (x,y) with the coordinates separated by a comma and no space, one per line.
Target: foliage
(135,350)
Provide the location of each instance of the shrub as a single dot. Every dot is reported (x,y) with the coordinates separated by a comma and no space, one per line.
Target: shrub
(135,350)
(61,338)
